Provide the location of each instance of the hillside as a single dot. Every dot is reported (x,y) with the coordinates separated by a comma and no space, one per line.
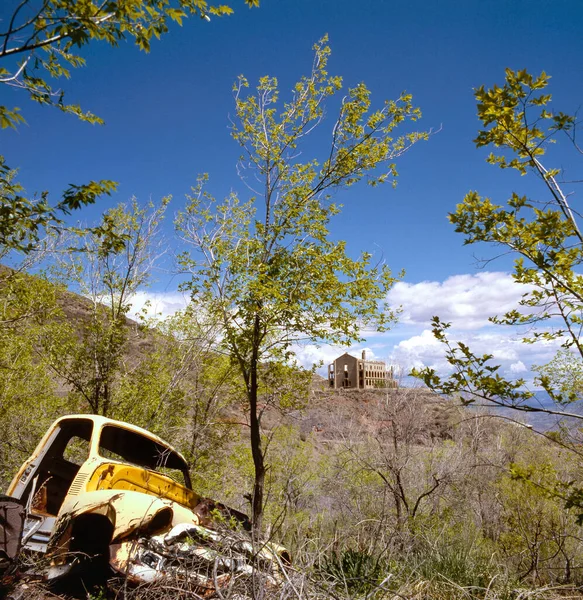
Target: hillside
(333,415)
(329,415)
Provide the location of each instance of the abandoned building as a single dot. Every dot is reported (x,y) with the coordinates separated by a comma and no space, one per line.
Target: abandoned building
(350,372)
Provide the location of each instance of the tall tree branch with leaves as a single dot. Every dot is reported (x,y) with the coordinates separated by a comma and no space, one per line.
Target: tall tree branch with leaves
(108,278)
(544,236)
(267,266)
(40,41)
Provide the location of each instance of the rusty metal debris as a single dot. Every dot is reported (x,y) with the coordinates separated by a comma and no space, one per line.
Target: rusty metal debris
(98,492)
(208,560)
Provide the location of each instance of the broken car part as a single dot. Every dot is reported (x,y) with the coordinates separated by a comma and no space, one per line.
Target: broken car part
(98,489)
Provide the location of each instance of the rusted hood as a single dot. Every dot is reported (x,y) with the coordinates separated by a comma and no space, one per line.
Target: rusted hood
(128,511)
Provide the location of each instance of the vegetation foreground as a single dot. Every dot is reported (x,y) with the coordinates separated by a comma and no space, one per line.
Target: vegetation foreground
(388,494)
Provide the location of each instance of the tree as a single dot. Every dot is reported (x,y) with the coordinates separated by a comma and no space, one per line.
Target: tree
(23,221)
(410,463)
(544,236)
(40,41)
(108,278)
(28,399)
(188,374)
(563,375)
(537,536)
(267,267)
(546,239)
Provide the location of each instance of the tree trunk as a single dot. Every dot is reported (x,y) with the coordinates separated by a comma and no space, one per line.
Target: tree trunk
(256,450)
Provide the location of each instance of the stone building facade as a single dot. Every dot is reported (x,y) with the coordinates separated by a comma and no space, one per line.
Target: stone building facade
(349,372)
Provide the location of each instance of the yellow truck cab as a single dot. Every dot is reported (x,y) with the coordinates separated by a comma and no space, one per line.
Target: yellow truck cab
(120,497)
(88,453)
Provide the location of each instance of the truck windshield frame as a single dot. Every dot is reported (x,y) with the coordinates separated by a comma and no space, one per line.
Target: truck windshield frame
(124,445)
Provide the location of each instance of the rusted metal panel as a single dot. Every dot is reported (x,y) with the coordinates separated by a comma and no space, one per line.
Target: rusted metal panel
(12,514)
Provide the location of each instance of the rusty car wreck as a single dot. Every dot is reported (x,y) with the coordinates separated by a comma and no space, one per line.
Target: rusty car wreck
(113,494)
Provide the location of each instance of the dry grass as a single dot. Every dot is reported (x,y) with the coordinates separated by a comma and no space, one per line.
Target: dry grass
(296,585)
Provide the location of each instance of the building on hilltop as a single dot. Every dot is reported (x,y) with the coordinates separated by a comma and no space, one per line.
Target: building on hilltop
(349,372)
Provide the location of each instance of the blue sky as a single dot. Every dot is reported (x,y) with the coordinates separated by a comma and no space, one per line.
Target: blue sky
(167,113)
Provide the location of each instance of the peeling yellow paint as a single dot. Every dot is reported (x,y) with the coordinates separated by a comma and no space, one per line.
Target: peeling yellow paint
(112,476)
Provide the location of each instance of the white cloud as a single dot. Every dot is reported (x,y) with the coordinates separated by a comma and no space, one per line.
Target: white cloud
(162,304)
(518,367)
(421,350)
(309,354)
(464,300)
(507,349)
